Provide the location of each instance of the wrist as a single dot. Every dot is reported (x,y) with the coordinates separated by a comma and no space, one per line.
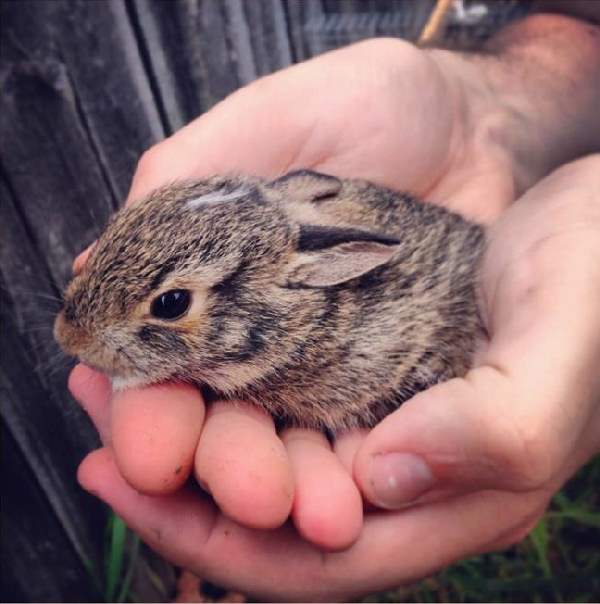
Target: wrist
(528,102)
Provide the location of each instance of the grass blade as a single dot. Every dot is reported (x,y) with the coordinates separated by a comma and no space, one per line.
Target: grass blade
(583,517)
(135,548)
(115,557)
(539,538)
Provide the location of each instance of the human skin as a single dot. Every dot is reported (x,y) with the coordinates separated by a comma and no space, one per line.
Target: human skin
(485,453)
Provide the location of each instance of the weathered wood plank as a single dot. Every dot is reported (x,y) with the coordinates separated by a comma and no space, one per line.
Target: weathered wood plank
(39,415)
(187,50)
(319,26)
(49,164)
(262,26)
(35,254)
(75,113)
(113,92)
(32,533)
(97,67)
(298,15)
(199,52)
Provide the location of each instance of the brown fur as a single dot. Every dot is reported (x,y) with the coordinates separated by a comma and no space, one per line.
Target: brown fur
(327,302)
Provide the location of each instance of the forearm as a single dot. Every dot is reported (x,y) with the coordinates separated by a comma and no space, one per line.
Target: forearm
(533,93)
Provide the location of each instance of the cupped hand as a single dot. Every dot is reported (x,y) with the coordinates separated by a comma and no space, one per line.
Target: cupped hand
(384,111)
(381,110)
(501,441)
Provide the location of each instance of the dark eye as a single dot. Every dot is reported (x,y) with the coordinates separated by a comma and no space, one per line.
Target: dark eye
(171,305)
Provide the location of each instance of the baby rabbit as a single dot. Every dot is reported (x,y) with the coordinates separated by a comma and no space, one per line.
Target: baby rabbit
(327,302)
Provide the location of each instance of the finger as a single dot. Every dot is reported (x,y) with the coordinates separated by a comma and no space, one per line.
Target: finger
(242,462)
(92,390)
(155,431)
(157,519)
(279,565)
(189,531)
(346,445)
(455,437)
(81,259)
(327,507)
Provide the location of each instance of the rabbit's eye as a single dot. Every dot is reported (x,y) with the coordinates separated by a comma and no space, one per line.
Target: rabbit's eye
(171,305)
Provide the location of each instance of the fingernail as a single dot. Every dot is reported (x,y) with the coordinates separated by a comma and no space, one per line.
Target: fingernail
(398,479)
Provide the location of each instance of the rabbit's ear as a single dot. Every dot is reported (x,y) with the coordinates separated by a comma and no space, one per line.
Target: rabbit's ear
(328,256)
(306,185)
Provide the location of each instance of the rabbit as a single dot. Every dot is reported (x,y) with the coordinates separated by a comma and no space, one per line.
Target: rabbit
(328,302)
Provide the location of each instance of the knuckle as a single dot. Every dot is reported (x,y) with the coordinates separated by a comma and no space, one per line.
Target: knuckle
(530,458)
(521,451)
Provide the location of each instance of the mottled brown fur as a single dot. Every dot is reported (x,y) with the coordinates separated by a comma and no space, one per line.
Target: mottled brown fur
(327,302)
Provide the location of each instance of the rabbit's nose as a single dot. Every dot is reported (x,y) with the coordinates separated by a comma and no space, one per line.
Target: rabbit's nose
(71,338)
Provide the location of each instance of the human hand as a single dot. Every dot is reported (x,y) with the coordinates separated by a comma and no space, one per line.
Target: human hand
(456,149)
(315,104)
(508,434)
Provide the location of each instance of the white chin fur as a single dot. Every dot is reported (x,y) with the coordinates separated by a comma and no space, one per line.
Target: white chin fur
(123,383)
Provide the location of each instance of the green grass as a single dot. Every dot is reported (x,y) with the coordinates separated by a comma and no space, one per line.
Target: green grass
(122,549)
(558,562)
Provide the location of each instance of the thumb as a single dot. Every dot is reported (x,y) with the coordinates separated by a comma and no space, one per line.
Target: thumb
(463,435)
(446,438)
